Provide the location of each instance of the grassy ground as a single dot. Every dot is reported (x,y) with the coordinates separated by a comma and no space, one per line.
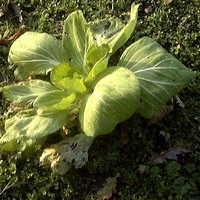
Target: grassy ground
(176,27)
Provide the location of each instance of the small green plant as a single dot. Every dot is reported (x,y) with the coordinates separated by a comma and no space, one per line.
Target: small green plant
(83,87)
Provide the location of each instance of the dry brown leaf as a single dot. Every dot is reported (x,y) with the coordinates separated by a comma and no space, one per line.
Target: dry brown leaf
(170,154)
(149,9)
(141,169)
(16,10)
(4,9)
(11,7)
(71,151)
(5,41)
(105,193)
(161,114)
(177,100)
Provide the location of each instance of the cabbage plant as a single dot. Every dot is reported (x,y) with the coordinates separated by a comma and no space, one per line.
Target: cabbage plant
(81,86)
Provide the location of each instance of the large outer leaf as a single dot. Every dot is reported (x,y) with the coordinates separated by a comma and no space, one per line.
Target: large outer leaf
(77,38)
(161,76)
(114,99)
(36,53)
(29,91)
(117,33)
(31,127)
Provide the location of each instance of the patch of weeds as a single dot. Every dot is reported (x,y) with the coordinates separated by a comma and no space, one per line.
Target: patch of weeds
(173,169)
(172,27)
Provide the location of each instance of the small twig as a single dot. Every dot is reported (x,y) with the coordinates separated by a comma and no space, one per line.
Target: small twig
(8,186)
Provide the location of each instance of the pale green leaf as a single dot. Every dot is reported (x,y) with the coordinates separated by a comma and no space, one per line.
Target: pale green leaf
(54,101)
(114,99)
(77,38)
(29,91)
(105,29)
(59,73)
(97,59)
(36,53)
(75,84)
(95,54)
(10,146)
(161,76)
(63,77)
(32,127)
(97,68)
(113,32)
